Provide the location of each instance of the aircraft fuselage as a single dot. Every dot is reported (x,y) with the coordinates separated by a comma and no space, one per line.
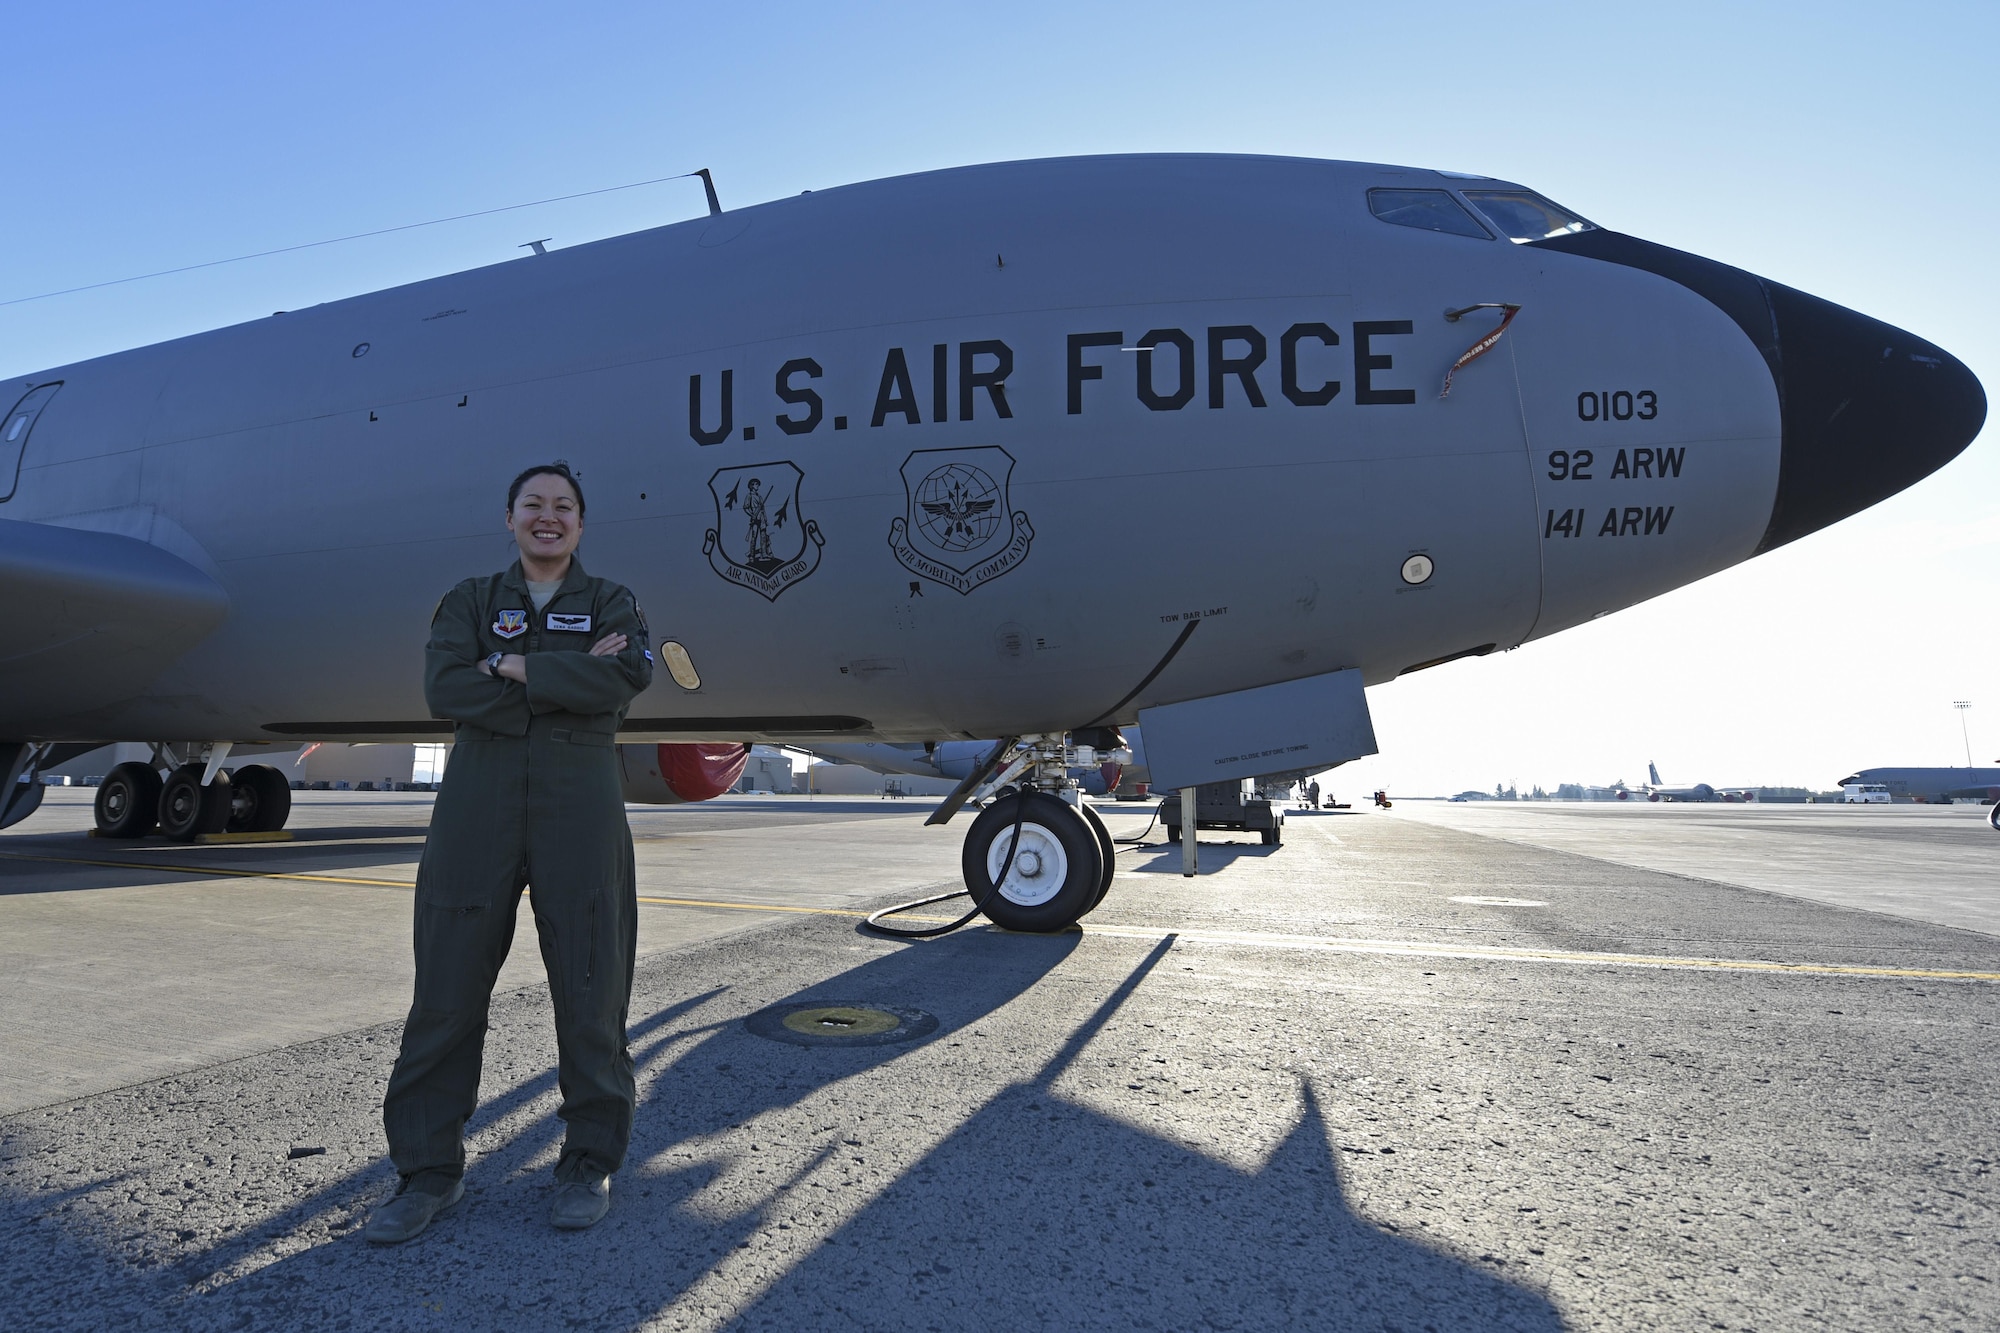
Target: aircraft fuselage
(955,454)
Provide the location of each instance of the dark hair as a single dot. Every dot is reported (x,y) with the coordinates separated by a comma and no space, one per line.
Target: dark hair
(555,469)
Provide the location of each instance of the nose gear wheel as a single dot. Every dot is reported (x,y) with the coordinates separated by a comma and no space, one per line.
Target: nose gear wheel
(1033,861)
(1106,849)
(1039,865)
(1049,897)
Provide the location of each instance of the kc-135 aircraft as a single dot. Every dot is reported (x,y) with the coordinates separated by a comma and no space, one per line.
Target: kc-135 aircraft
(1700,791)
(1940,785)
(876,459)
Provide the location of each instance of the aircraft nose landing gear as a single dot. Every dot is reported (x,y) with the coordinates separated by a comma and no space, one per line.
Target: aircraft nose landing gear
(1038,858)
(1057,865)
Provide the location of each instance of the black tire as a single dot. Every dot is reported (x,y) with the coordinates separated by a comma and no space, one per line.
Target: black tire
(128,801)
(260,800)
(1033,898)
(187,809)
(1268,836)
(1106,849)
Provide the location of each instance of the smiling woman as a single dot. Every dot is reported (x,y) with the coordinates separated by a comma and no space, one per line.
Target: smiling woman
(535,668)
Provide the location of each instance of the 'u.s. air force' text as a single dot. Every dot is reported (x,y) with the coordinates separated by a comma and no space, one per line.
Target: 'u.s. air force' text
(1222,364)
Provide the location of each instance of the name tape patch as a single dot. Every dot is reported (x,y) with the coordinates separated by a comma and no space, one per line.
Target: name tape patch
(574,624)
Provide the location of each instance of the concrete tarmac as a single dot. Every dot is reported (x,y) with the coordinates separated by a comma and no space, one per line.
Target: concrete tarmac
(1778,848)
(1394,1074)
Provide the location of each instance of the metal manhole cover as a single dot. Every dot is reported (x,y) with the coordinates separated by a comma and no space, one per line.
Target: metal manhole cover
(822,1024)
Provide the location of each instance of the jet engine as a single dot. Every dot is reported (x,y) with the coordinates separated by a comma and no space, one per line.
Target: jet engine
(682,772)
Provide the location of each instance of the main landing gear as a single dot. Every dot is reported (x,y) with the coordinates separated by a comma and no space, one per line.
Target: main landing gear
(1050,852)
(195,798)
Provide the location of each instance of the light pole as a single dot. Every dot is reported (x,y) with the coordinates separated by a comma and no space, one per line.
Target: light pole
(1961,705)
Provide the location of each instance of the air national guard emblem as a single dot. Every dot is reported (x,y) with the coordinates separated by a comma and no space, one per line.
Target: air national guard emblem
(510,624)
(957,528)
(760,540)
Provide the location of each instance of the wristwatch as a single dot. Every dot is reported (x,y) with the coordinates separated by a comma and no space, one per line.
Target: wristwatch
(493,663)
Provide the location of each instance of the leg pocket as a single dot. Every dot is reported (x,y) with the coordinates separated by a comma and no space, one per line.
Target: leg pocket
(460,948)
(575,943)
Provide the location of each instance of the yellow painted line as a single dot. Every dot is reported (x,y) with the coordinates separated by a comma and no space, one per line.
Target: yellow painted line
(212,870)
(778,907)
(219,839)
(1252,939)
(1421,949)
(407,884)
(750,907)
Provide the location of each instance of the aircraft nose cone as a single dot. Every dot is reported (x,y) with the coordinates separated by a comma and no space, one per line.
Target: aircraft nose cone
(1868,411)
(1868,408)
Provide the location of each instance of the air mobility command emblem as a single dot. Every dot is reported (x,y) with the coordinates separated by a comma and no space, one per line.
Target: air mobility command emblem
(958,527)
(510,624)
(760,540)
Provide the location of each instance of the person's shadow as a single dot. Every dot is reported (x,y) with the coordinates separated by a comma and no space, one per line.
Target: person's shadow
(1034,1211)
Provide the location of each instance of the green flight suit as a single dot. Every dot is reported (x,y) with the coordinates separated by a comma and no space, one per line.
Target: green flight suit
(531,796)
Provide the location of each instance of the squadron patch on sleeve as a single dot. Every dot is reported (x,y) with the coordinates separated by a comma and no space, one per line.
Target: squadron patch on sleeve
(510,624)
(574,624)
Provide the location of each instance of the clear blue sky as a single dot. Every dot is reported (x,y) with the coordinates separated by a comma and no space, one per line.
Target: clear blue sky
(1844,149)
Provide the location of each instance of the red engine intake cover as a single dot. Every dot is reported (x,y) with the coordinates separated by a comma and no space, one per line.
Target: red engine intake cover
(702,770)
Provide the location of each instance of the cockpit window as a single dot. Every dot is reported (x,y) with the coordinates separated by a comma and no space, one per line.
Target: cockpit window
(1426,210)
(1522,216)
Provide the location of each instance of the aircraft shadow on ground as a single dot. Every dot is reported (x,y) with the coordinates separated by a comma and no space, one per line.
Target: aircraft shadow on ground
(1034,1211)
(1039,1212)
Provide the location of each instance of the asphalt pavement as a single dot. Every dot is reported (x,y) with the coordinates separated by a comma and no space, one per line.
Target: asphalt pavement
(1394,1074)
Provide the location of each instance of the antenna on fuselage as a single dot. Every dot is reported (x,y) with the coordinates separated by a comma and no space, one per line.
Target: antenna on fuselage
(708,184)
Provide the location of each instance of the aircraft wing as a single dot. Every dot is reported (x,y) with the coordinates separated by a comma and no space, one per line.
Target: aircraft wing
(92,617)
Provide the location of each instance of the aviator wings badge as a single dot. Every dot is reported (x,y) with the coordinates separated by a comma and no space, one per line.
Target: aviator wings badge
(760,540)
(957,527)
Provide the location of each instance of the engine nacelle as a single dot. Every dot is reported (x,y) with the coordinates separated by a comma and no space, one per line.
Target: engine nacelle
(681,772)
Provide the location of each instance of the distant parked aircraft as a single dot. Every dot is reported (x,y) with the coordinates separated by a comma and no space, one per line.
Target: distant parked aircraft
(1700,791)
(1937,785)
